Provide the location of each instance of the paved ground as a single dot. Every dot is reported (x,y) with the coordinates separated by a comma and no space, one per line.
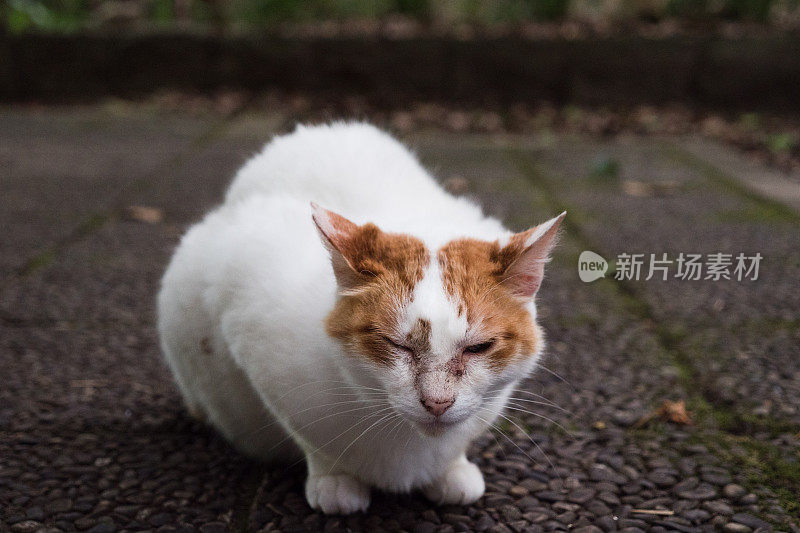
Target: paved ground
(93,435)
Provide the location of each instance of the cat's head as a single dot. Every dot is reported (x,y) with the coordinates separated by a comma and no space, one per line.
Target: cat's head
(441,331)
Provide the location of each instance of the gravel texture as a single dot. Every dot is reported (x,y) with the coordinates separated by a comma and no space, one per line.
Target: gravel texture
(93,436)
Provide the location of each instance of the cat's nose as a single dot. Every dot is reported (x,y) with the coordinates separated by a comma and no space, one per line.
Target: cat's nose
(437,406)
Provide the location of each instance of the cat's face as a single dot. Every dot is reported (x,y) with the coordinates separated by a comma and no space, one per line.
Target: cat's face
(442,331)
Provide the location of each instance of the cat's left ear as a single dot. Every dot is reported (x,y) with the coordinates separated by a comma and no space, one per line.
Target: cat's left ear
(339,235)
(525,256)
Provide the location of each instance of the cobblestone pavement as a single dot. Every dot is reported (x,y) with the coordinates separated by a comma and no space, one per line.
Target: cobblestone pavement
(93,436)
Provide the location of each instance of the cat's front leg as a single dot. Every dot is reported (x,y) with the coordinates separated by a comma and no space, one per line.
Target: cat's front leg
(334,492)
(460,485)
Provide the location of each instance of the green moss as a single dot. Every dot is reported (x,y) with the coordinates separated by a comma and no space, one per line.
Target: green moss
(47,257)
(768,325)
(764,465)
(91,224)
(761,467)
(758,208)
(766,214)
(41,260)
(737,423)
(782,143)
(605,170)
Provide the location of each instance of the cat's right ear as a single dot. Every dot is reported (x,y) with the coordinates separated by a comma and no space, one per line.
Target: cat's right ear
(338,235)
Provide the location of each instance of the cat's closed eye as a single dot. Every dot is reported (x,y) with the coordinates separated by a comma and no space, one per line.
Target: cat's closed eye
(397,345)
(479,348)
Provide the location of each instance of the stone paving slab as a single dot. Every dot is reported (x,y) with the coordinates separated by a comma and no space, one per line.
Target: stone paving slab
(719,327)
(93,435)
(60,170)
(93,266)
(763,181)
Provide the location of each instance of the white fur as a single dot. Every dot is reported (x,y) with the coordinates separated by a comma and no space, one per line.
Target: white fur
(254,280)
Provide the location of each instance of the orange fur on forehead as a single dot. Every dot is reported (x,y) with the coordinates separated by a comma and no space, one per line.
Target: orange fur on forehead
(373,252)
(471,271)
(390,265)
(369,251)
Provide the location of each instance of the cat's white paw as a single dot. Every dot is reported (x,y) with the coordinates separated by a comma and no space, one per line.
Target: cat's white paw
(462,484)
(337,494)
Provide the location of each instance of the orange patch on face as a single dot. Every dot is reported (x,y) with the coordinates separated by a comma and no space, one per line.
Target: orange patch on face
(388,267)
(472,271)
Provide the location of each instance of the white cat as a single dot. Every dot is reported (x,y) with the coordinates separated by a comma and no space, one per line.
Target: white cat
(376,346)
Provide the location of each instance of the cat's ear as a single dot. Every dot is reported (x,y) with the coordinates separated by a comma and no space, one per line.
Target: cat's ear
(338,235)
(525,254)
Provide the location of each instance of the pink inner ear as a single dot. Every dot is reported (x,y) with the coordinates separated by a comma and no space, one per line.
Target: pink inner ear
(335,232)
(525,274)
(335,228)
(527,285)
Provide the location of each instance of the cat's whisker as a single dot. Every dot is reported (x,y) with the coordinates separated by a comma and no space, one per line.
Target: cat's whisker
(317,382)
(265,426)
(411,434)
(359,387)
(496,428)
(499,446)
(376,398)
(337,413)
(389,416)
(516,407)
(351,386)
(333,404)
(539,365)
(397,426)
(538,447)
(392,419)
(359,421)
(352,393)
(536,402)
(538,396)
(535,395)
(289,433)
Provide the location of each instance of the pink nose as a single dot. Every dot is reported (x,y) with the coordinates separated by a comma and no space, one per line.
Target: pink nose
(437,406)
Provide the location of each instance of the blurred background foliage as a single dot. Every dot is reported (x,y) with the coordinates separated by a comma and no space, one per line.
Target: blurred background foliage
(20,16)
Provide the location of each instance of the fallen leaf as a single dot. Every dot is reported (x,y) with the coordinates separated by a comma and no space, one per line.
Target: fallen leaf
(637,188)
(141,213)
(456,185)
(643,189)
(669,411)
(675,412)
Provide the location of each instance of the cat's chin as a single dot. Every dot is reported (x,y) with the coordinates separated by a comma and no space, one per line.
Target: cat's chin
(436,428)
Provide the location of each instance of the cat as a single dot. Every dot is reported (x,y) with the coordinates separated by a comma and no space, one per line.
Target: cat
(374,333)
